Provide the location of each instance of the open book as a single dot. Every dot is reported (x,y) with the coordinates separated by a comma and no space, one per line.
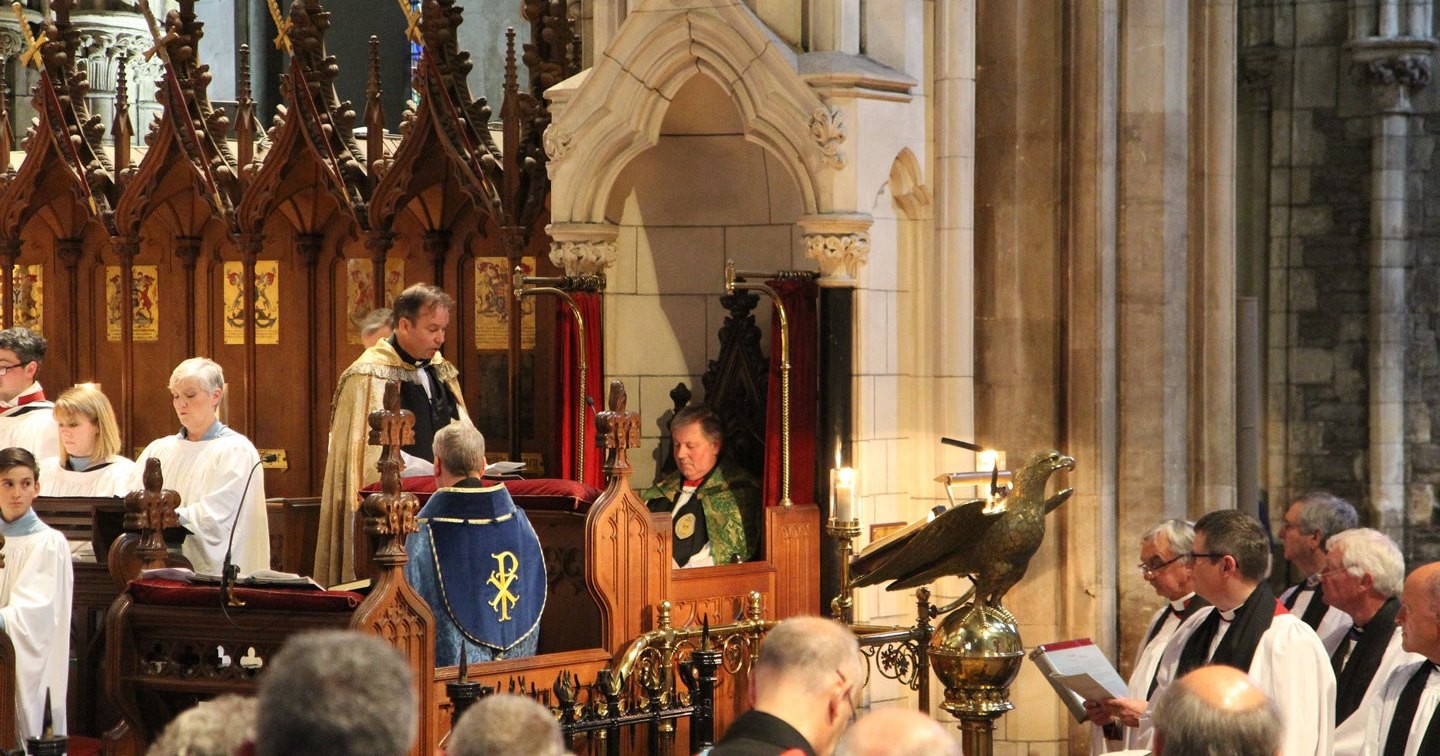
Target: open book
(257,579)
(1079,672)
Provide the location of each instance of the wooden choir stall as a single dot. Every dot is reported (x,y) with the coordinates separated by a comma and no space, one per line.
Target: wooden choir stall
(169,645)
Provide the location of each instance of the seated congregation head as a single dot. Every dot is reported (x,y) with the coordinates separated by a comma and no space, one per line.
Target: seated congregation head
(1216,710)
(218,727)
(897,731)
(504,724)
(336,693)
(807,684)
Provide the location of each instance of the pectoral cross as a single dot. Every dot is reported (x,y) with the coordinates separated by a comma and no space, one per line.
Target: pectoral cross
(412,21)
(506,569)
(31,56)
(282,26)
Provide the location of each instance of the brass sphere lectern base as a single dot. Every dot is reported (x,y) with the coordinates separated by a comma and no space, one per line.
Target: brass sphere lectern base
(976,653)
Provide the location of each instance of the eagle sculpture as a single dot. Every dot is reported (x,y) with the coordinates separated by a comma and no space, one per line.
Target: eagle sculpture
(991,545)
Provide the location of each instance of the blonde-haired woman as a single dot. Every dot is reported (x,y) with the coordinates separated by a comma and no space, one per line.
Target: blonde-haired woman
(90,462)
(215,471)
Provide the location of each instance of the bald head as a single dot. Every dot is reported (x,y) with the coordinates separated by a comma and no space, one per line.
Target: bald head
(810,675)
(1216,710)
(809,652)
(1418,619)
(895,731)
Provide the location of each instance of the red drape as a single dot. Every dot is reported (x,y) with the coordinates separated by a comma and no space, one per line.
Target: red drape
(566,345)
(800,297)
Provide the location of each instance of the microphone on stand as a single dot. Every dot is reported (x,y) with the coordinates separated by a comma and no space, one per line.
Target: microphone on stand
(230,572)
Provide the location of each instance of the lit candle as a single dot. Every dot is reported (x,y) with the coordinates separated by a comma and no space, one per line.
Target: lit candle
(985,461)
(842,494)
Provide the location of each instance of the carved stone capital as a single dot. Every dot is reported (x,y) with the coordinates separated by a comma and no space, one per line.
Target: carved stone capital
(1394,69)
(582,249)
(839,243)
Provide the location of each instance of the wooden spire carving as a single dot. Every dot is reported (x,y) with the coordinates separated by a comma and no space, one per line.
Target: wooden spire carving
(312,127)
(627,562)
(245,120)
(148,512)
(390,514)
(122,132)
(197,128)
(393,611)
(7,136)
(374,118)
(72,133)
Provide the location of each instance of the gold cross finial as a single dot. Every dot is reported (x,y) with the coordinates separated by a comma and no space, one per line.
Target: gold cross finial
(282,26)
(160,41)
(31,56)
(412,21)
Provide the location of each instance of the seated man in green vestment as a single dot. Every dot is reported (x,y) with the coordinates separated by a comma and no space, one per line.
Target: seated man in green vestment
(714,505)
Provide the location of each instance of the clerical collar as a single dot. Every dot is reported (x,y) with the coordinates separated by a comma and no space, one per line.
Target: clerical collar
(405,356)
(26,524)
(470,482)
(213,432)
(1228,615)
(32,394)
(1310,583)
(1181,604)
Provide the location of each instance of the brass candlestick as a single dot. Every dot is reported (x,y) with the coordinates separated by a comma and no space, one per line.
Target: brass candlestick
(842,607)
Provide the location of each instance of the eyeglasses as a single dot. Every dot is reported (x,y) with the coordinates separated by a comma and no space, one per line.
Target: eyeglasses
(7,368)
(1151,568)
(1332,572)
(849,694)
(1208,554)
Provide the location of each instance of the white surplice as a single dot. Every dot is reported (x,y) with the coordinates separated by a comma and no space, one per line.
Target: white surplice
(36,586)
(31,427)
(210,476)
(1333,625)
(1291,666)
(1147,664)
(1350,734)
(114,479)
(1382,710)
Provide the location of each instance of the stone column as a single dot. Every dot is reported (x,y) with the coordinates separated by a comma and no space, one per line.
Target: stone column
(583,249)
(841,246)
(1392,52)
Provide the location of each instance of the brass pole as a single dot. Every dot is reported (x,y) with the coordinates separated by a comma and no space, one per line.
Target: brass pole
(521,281)
(736,280)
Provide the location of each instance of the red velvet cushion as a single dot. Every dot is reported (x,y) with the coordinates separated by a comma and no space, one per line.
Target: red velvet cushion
(553,495)
(544,494)
(175,593)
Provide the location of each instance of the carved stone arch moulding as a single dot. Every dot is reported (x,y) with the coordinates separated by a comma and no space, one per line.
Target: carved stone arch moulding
(907,187)
(606,116)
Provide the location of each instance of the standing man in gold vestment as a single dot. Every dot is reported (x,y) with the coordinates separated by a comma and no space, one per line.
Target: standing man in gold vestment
(429,387)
